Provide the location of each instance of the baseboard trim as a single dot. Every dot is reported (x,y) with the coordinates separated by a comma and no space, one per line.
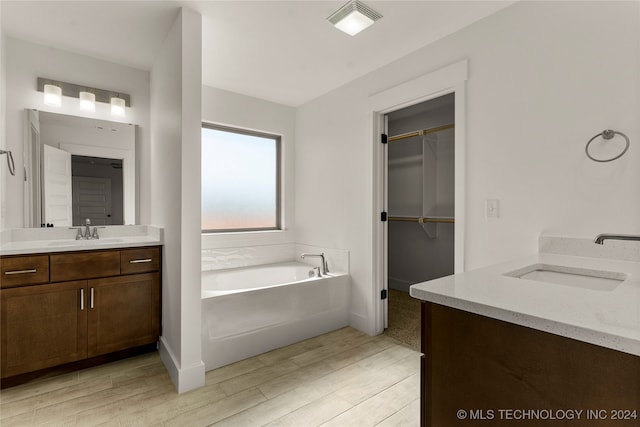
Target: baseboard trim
(361,323)
(184,379)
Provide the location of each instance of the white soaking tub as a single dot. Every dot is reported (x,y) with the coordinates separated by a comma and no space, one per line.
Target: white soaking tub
(248,311)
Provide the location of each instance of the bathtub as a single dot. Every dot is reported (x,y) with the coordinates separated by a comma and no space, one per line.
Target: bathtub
(248,311)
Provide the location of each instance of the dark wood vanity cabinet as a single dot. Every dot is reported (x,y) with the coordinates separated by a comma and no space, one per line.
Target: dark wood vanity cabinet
(42,326)
(123,312)
(481,371)
(107,307)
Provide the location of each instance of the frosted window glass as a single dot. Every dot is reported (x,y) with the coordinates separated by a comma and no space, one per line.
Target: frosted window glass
(239,181)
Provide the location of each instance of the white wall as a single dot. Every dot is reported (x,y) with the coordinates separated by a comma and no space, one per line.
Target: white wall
(25,62)
(544,78)
(176,85)
(232,109)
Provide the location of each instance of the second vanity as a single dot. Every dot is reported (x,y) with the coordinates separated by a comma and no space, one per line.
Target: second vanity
(551,339)
(66,301)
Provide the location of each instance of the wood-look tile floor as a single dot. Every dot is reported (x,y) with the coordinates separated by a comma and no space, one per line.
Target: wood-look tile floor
(343,378)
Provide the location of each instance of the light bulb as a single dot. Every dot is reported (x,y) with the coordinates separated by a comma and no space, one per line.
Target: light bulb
(353,23)
(52,95)
(87,101)
(117,106)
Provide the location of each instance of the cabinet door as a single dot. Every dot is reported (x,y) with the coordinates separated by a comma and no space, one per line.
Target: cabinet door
(123,312)
(43,326)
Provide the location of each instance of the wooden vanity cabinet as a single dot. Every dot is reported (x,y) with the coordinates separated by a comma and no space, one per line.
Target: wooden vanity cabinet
(111,307)
(42,326)
(124,312)
(475,369)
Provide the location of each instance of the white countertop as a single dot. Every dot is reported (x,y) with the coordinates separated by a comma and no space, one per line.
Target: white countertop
(61,239)
(606,318)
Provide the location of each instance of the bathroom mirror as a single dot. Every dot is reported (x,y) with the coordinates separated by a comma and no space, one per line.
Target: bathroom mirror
(77,168)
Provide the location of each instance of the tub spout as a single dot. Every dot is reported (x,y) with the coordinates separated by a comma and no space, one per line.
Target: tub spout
(324,265)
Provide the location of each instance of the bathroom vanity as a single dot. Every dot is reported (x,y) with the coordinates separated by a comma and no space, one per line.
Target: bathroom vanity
(70,301)
(547,339)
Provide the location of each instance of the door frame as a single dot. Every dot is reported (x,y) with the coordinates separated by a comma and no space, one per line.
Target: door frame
(446,80)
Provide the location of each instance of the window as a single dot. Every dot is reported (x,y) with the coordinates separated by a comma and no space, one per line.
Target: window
(240,180)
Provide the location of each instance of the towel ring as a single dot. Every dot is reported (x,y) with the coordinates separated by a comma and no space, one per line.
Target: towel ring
(10,164)
(607,134)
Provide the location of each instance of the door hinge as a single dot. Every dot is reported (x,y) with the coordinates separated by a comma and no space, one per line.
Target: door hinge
(384,138)
(383,216)
(383,294)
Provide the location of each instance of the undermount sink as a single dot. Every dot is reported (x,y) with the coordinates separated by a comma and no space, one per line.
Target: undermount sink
(596,280)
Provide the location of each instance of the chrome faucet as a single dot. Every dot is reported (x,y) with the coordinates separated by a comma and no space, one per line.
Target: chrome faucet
(87,235)
(600,238)
(324,266)
(87,229)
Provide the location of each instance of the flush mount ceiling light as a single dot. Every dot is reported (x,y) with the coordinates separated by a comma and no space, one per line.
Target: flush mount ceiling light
(353,17)
(52,95)
(87,101)
(117,106)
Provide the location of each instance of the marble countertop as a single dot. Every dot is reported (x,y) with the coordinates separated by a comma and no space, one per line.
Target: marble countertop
(608,318)
(21,241)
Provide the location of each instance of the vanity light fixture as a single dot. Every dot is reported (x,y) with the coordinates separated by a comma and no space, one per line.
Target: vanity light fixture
(117,106)
(87,101)
(353,17)
(52,95)
(54,90)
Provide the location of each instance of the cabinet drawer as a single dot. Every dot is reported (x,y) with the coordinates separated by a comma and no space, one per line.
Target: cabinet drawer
(140,260)
(24,270)
(84,265)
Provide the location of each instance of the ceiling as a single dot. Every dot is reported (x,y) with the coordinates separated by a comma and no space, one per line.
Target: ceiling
(282,51)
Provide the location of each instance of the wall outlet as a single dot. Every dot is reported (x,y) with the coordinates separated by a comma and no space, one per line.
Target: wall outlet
(492,208)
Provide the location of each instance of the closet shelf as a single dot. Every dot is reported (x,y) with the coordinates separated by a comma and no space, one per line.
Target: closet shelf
(423,220)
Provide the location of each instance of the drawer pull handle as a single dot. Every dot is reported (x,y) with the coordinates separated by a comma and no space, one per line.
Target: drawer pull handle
(20,271)
(140,261)
(81,299)
(91,298)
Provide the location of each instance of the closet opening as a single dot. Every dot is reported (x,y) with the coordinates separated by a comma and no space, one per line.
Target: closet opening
(420,199)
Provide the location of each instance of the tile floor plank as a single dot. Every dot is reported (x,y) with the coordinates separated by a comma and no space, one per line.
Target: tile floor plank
(344,377)
(314,413)
(407,416)
(379,407)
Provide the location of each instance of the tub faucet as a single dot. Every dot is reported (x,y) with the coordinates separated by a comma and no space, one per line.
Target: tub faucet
(325,266)
(600,238)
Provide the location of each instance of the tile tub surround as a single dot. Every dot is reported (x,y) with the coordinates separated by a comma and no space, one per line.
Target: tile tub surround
(606,318)
(248,256)
(62,239)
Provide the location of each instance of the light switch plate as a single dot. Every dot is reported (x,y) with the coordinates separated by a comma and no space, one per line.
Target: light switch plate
(492,208)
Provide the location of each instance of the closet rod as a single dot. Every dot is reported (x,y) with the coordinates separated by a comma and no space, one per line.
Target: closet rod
(421,219)
(420,132)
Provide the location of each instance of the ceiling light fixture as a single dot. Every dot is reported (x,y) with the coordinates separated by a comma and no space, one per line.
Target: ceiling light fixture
(353,17)
(52,95)
(87,101)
